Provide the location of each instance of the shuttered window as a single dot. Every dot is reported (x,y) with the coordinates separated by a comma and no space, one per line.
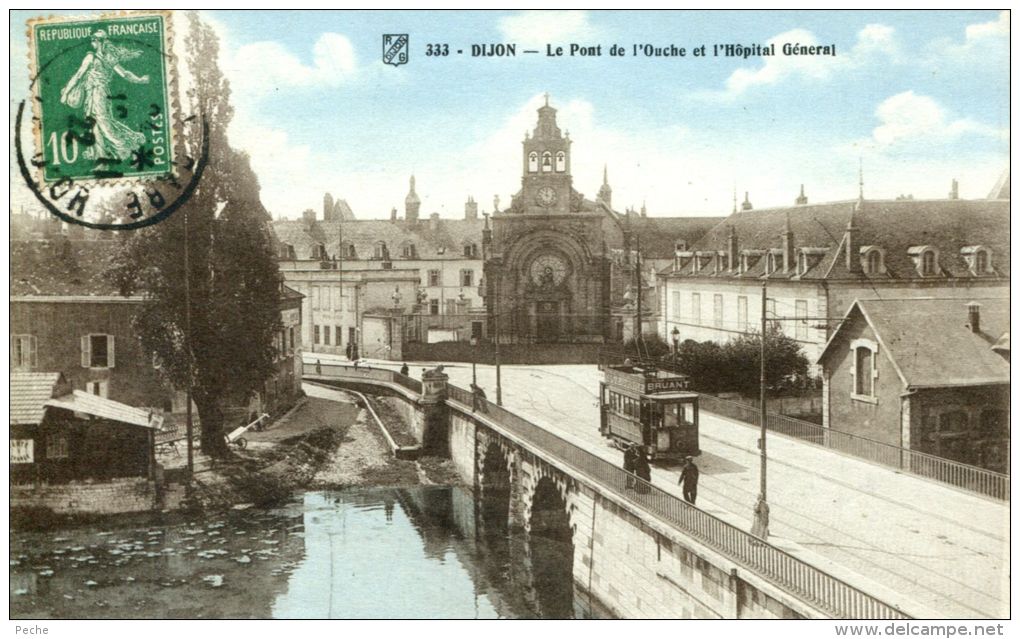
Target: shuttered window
(97,351)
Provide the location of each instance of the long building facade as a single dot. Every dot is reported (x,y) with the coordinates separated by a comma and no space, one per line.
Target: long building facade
(816,259)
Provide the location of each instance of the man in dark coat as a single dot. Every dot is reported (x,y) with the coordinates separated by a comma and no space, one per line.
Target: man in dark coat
(404,370)
(642,469)
(689,480)
(629,457)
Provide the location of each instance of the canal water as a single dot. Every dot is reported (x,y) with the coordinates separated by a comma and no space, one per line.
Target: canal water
(419,552)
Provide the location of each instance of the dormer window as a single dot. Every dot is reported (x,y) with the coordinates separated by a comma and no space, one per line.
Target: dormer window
(872,260)
(408,251)
(748,259)
(349,251)
(319,252)
(379,251)
(802,264)
(720,262)
(470,250)
(979,259)
(926,260)
(770,263)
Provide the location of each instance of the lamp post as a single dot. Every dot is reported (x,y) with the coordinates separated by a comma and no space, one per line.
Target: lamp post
(760,527)
(190,429)
(499,384)
(675,334)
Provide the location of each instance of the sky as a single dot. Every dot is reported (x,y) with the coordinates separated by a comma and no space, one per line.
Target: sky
(915,98)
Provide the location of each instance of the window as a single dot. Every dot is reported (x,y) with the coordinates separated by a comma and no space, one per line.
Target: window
(864,369)
(874,263)
(770,263)
(317,338)
(470,250)
(742,313)
(802,265)
(97,351)
(981,263)
(928,263)
(56,447)
(433,307)
(408,251)
(24,349)
(325,335)
(533,162)
(676,305)
(316,297)
(561,162)
(434,277)
(380,250)
(800,310)
(696,308)
(339,332)
(349,252)
(467,277)
(99,387)
(717,310)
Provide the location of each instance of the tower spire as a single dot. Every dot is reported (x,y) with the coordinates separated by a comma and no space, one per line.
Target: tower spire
(605,174)
(860,179)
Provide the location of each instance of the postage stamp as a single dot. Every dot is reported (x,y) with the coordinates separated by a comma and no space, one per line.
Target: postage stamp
(102,96)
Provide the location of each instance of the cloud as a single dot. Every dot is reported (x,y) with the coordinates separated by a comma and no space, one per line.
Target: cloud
(536,28)
(908,117)
(983,43)
(874,40)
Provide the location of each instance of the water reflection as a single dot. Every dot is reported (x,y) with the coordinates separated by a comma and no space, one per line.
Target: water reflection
(423,552)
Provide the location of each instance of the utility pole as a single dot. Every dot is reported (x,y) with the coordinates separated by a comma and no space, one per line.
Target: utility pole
(499,385)
(187,342)
(639,338)
(760,527)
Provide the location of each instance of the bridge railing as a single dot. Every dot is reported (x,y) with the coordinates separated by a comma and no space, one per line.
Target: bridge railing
(793,575)
(979,480)
(788,572)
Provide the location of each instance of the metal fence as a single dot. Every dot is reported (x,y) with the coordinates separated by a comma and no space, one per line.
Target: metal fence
(979,480)
(786,571)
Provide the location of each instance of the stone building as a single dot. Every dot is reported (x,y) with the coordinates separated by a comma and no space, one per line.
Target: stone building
(816,259)
(554,265)
(922,374)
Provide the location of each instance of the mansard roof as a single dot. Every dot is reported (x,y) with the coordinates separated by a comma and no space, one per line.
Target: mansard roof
(891,225)
(446,240)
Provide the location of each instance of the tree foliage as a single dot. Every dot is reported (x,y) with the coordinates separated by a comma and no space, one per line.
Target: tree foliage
(233,275)
(735,365)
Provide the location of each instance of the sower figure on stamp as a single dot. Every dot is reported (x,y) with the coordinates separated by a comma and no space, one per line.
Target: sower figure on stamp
(689,480)
(89,89)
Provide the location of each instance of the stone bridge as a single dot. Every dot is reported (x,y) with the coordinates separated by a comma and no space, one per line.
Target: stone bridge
(640,551)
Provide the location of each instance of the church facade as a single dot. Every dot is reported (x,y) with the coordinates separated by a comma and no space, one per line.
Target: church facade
(548,267)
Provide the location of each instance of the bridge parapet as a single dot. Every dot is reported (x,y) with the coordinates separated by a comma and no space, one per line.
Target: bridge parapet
(590,485)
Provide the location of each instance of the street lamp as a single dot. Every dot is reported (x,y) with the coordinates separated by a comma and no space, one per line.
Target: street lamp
(675,334)
(760,527)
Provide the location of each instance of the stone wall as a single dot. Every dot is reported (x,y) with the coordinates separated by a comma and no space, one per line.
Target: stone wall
(101,498)
(462,447)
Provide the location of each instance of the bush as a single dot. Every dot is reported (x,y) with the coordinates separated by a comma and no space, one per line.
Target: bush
(735,366)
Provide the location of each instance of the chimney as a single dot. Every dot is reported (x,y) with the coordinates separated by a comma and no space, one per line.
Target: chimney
(746,206)
(787,240)
(974,317)
(853,260)
(308,215)
(434,222)
(393,214)
(732,249)
(954,190)
(801,199)
(471,209)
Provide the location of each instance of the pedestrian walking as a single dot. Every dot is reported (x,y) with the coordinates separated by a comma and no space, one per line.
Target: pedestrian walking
(478,398)
(629,458)
(318,367)
(643,469)
(404,370)
(689,480)
(350,347)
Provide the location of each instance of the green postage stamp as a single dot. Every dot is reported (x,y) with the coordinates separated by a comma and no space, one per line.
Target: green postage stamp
(103,99)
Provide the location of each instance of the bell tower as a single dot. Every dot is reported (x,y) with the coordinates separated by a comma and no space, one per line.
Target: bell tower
(546,181)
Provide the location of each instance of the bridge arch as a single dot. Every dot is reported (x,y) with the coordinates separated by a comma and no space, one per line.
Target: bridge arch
(495,484)
(551,547)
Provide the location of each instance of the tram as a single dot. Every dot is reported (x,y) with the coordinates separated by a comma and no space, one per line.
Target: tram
(650,407)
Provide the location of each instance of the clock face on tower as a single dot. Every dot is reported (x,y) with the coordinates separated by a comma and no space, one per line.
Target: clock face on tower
(546,196)
(548,270)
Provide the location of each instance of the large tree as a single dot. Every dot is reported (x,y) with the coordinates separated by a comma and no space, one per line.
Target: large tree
(735,365)
(222,343)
